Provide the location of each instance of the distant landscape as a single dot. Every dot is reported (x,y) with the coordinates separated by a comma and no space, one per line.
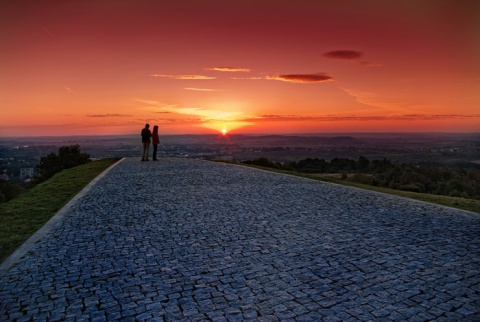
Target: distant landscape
(452,153)
(445,149)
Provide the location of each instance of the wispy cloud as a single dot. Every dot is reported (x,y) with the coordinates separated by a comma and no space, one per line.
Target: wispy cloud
(277,118)
(291,78)
(148,102)
(201,89)
(108,115)
(249,78)
(301,78)
(376,99)
(205,114)
(336,118)
(177,121)
(432,117)
(228,69)
(68,89)
(189,77)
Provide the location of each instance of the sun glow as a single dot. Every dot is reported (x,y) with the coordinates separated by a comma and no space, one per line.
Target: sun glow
(227,125)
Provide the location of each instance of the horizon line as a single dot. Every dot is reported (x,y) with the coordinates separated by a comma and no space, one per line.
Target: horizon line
(246,134)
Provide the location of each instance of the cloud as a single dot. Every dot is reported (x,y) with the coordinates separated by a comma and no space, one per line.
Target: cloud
(148,102)
(301,78)
(177,121)
(341,118)
(68,89)
(351,55)
(252,78)
(291,78)
(278,118)
(433,117)
(203,113)
(228,69)
(108,115)
(378,100)
(201,89)
(344,54)
(189,77)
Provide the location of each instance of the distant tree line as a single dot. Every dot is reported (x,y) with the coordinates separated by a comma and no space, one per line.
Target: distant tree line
(457,182)
(67,157)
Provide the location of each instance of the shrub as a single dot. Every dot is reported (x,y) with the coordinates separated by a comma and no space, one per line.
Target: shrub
(8,191)
(68,157)
(413,187)
(362,178)
(263,162)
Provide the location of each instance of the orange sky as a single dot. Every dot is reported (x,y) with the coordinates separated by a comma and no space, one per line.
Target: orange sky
(249,66)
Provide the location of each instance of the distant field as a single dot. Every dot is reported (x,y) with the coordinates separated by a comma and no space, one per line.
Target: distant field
(454,202)
(23,216)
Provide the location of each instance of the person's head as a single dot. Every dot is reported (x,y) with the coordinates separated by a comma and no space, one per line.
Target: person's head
(147,126)
(155,128)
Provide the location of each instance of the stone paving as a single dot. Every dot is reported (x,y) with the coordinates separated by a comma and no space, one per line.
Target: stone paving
(191,240)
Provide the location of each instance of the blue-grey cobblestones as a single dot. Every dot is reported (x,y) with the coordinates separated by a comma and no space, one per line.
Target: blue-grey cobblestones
(191,240)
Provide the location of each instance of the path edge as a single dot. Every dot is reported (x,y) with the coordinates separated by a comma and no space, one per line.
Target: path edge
(29,243)
(463,211)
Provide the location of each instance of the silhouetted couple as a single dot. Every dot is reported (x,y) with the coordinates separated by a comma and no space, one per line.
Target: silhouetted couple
(148,137)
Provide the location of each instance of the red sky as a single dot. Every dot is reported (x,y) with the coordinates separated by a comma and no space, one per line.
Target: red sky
(249,66)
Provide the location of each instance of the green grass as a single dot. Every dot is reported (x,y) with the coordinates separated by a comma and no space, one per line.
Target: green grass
(454,202)
(23,216)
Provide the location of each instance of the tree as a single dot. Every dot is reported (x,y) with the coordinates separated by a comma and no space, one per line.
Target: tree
(362,163)
(310,165)
(68,157)
(47,167)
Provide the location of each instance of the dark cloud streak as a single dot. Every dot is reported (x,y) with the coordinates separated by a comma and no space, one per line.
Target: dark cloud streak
(344,54)
(301,78)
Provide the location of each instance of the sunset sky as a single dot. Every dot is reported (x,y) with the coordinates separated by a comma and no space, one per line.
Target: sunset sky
(80,67)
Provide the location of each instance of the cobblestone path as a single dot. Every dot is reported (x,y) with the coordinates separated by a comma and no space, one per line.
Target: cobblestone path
(190,240)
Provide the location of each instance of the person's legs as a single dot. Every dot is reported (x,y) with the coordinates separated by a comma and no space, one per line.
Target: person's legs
(155,146)
(147,149)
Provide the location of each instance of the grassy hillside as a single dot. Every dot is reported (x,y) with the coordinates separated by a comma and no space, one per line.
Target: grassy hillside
(24,215)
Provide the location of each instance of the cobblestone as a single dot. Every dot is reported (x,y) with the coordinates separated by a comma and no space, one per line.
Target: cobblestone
(191,240)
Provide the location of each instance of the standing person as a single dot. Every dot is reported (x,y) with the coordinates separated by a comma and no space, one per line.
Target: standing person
(146,135)
(155,142)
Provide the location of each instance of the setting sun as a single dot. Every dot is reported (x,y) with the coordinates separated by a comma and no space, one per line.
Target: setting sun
(224,131)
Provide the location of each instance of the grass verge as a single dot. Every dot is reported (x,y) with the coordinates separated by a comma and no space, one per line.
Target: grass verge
(454,202)
(21,217)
